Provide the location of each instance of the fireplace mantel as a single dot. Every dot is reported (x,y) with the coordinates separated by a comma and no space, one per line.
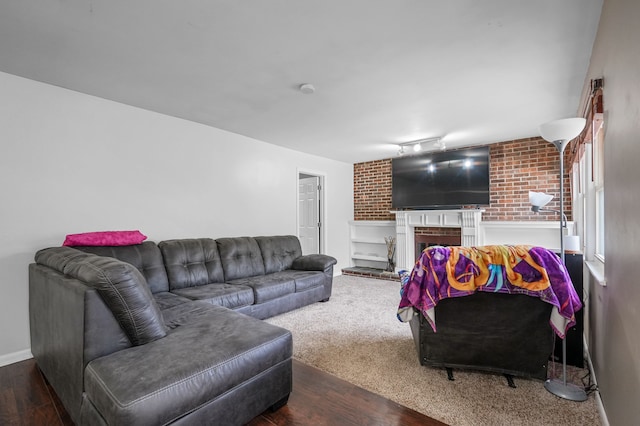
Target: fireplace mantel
(468,220)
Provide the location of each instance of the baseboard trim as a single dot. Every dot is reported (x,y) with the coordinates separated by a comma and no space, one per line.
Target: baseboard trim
(601,410)
(15,357)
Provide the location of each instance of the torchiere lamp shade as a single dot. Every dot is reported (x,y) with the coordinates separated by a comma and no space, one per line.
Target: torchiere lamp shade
(562,130)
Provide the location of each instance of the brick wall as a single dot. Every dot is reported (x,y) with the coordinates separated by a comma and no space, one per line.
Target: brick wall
(516,167)
(372,190)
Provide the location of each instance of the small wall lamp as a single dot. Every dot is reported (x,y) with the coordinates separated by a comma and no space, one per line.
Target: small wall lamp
(539,199)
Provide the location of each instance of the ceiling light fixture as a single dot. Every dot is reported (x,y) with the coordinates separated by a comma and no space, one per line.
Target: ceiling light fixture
(417,145)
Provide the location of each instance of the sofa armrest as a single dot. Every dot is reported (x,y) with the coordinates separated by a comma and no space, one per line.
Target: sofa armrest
(70,325)
(121,286)
(313,262)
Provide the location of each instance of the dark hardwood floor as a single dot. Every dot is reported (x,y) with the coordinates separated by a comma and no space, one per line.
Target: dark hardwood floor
(317,399)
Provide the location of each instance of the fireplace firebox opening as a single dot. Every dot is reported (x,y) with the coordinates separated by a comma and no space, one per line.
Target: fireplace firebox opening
(432,236)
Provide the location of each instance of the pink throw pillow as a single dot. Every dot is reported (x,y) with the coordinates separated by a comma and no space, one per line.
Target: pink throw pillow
(105,238)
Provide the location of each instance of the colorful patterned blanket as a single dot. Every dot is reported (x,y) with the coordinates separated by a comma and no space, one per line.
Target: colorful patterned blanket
(443,272)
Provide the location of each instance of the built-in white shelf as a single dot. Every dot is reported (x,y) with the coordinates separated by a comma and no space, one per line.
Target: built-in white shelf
(369,240)
(367,257)
(368,247)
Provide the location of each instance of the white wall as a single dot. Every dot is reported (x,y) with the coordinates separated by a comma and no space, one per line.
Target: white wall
(75,163)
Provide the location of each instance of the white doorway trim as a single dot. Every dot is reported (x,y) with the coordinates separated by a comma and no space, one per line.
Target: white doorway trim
(323,205)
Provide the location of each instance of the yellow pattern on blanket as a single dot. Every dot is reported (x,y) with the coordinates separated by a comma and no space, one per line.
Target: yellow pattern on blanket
(483,257)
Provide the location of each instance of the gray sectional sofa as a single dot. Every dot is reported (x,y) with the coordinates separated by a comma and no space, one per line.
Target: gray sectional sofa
(170,333)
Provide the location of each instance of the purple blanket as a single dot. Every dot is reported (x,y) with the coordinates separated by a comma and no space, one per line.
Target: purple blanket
(443,272)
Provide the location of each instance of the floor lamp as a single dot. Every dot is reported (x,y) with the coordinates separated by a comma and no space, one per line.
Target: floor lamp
(559,133)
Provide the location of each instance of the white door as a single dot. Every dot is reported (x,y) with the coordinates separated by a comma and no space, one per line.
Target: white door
(309,214)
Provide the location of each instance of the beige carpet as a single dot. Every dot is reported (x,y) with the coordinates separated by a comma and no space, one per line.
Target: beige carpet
(356,336)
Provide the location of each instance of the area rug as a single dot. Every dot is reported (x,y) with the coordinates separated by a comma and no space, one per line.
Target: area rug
(356,337)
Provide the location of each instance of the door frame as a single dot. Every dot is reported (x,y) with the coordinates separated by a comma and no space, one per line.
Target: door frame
(322,178)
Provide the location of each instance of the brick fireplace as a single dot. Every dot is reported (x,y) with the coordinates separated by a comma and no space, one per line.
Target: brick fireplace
(446,227)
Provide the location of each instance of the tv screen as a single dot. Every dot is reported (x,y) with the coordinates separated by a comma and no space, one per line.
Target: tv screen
(447,179)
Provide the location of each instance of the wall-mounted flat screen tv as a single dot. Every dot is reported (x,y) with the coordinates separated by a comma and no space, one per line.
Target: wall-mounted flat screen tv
(447,179)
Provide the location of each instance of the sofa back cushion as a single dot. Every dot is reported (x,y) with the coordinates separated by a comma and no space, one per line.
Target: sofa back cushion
(146,257)
(240,257)
(279,252)
(191,262)
(121,286)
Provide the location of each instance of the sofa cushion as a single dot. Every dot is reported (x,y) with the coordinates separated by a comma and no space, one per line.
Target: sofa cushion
(304,280)
(211,351)
(146,257)
(268,287)
(122,287)
(240,257)
(279,252)
(227,295)
(191,262)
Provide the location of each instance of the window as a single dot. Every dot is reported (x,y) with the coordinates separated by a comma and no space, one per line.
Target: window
(588,179)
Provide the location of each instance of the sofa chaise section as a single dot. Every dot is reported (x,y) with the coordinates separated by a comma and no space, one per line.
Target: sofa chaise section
(215,366)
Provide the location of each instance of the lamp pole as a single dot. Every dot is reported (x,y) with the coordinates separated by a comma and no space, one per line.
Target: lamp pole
(561,145)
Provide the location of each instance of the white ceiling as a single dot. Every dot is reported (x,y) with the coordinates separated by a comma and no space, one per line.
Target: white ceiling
(385,72)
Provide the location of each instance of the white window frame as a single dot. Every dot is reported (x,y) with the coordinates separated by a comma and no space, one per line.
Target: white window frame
(599,196)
